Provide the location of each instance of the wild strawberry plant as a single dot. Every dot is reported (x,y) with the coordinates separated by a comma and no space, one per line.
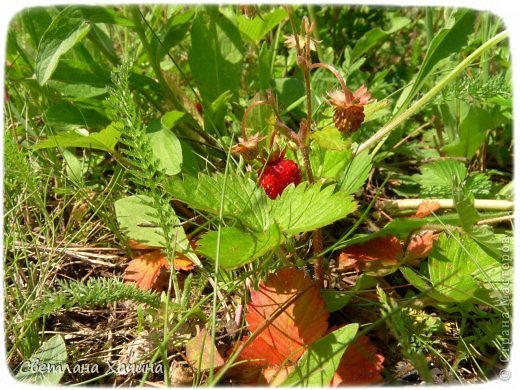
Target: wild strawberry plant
(258,195)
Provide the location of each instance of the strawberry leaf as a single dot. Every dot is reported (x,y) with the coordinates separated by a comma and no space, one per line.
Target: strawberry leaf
(289,313)
(238,247)
(307,207)
(360,364)
(318,365)
(243,199)
(145,270)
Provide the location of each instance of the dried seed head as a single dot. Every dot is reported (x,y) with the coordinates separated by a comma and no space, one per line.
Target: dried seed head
(349,111)
(248,148)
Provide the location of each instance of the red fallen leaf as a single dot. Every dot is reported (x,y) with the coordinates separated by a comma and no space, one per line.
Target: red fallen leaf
(426,208)
(360,365)
(420,245)
(372,254)
(296,317)
(145,270)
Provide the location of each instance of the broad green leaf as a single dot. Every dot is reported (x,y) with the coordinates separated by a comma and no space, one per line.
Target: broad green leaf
(66,116)
(138,220)
(105,140)
(307,207)
(437,177)
(77,79)
(216,54)
(63,33)
(472,133)
(422,284)
(177,29)
(289,91)
(166,148)
(258,27)
(243,199)
(447,41)
(376,35)
(319,363)
(237,247)
(52,355)
(98,14)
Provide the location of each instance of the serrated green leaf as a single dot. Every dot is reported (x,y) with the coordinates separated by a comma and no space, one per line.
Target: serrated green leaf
(63,33)
(166,147)
(105,140)
(258,27)
(318,364)
(307,207)
(455,264)
(238,247)
(52,355)
(243,199)
(215,55)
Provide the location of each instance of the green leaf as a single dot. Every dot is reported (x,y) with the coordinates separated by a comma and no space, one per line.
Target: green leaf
(216,55)
(243,199)
(214,114)
(264,67)
(319,363)
(472,133)
(308,207)
(67,116)
(238,247)
(356,173)
(76,79)
(452,264)
(97,14)
(258,27)
(376,35)
(105,140)
(447,41)
(464,204)
(290,92)
(437,177)
(166,147)
(138,221)
(63,33)
(52,355)
(331,138)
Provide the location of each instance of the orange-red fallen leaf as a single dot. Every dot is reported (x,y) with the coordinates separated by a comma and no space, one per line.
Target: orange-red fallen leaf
(295,315)
(360,365)
(372,254)
(198,352)
(144,270)
(420,245)
(426,208)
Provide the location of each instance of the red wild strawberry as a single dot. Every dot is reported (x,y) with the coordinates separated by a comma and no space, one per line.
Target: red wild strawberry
(277,175)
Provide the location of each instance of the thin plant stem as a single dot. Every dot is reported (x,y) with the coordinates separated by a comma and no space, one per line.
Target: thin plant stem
(399,119)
